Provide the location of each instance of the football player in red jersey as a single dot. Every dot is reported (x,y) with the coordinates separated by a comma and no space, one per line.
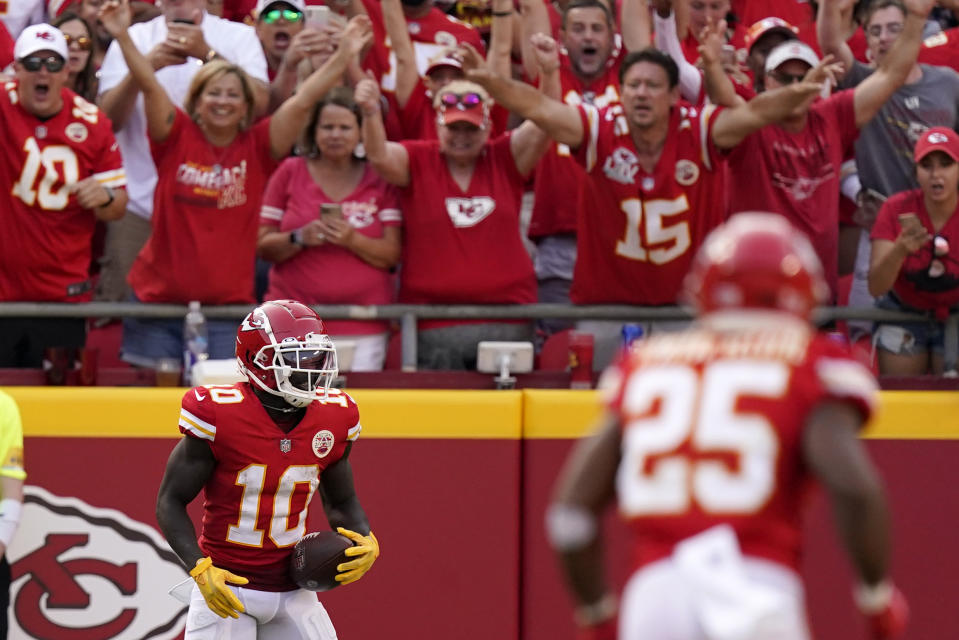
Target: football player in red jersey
(710,440)
(259,450)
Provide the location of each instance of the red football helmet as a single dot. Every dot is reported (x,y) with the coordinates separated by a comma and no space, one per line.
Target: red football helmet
(756,261)
(283,348)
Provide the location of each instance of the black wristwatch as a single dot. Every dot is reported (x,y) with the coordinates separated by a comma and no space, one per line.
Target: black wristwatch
(296,237)
(110,201)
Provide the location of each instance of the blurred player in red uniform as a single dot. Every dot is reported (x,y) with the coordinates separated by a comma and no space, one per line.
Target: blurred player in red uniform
(710,440)
(61,171)
(259,450)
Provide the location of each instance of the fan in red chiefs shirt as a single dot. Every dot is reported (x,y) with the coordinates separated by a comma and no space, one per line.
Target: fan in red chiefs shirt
(709,444)
(62,171)
(460,199)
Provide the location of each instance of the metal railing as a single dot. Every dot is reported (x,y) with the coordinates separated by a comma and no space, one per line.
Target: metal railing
(408,315)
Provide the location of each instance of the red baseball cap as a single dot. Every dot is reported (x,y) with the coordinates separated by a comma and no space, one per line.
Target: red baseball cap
(938,139)
(462,101)
(768,25)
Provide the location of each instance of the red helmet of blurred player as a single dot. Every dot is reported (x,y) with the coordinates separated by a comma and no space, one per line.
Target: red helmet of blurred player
(756,261)
(283,348)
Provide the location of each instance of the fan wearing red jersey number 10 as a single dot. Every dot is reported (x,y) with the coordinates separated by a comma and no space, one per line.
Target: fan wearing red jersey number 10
(710,440)
(259,450)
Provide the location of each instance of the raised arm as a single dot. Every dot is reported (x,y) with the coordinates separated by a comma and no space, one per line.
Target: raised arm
(887,257)
(498,58)
(634,25)
(159,108)
(719,87)
(529,142)
(667,41)
(406,72)
(831,31)
(535,19)
(873,92)
(733,125)
(389,159)
(287,123)
(560,121)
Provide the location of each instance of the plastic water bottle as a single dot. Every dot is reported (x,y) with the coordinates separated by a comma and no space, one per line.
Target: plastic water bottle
(196,339)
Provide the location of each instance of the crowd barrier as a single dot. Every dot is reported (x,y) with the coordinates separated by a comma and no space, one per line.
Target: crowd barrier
(407,316)
(455,483)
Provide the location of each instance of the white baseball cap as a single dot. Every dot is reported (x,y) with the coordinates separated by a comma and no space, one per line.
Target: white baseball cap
(263,5)
(791,50)
(40,37)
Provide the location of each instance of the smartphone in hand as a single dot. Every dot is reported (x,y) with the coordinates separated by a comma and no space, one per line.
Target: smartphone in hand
(331,211)
(317,16)
(909,221)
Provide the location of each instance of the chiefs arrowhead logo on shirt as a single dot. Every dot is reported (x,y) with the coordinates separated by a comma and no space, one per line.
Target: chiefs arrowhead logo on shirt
(621,166)
(467,212)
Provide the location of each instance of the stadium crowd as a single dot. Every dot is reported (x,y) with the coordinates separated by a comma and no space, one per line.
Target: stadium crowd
(491,152)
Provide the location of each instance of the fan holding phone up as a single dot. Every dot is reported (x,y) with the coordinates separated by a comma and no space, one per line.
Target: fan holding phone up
(331,227)
(913,266)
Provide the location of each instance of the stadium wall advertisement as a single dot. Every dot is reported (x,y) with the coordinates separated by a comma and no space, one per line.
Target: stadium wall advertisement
(455,484)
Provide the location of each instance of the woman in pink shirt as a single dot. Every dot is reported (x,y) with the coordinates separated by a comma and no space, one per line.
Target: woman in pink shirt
(331,226)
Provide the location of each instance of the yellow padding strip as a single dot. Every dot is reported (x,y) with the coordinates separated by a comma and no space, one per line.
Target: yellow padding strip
(137,412)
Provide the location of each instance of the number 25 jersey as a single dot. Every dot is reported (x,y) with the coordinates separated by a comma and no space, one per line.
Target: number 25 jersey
(256,501)
(712,424)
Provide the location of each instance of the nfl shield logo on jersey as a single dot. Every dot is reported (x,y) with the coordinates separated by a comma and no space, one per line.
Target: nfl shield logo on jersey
(322,443)
(285,445)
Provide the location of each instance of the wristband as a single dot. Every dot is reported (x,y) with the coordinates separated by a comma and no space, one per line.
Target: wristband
(589,615)
(9,519)
(108,202)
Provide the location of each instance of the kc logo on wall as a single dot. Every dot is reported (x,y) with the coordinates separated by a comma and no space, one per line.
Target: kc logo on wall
(85,573)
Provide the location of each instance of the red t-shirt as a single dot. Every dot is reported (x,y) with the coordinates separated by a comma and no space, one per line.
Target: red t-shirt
(205,216)
(463,247)
(914,286)
(797,174)
(744,465)
(292,199)
(6,46)
(46,241)
(941,49)
(558,179)
(255,502)
(638,231)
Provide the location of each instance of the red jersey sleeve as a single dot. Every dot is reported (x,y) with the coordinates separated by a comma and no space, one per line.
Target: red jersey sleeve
(277,193)
(198,414)
(838,376)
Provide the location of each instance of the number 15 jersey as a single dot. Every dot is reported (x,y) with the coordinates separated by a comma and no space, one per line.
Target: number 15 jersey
(637,232)
(46,244)
(712,426)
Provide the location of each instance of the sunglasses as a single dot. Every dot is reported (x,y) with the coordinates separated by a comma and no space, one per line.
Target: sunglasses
(786,78)
(83,42)
(940,247)
(33,63)
(469,100)
(275,15)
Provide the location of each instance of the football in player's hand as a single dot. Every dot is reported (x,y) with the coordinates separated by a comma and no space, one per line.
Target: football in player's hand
(315,558)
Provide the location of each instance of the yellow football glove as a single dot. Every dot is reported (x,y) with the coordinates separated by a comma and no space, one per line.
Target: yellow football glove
(365,548)
(212,582)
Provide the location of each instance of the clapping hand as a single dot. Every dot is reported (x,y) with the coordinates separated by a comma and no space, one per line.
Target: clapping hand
(366,93)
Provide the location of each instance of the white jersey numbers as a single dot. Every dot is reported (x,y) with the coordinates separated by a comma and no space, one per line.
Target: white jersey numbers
(654,215)
(681,430)
(251,478)
(55,164)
